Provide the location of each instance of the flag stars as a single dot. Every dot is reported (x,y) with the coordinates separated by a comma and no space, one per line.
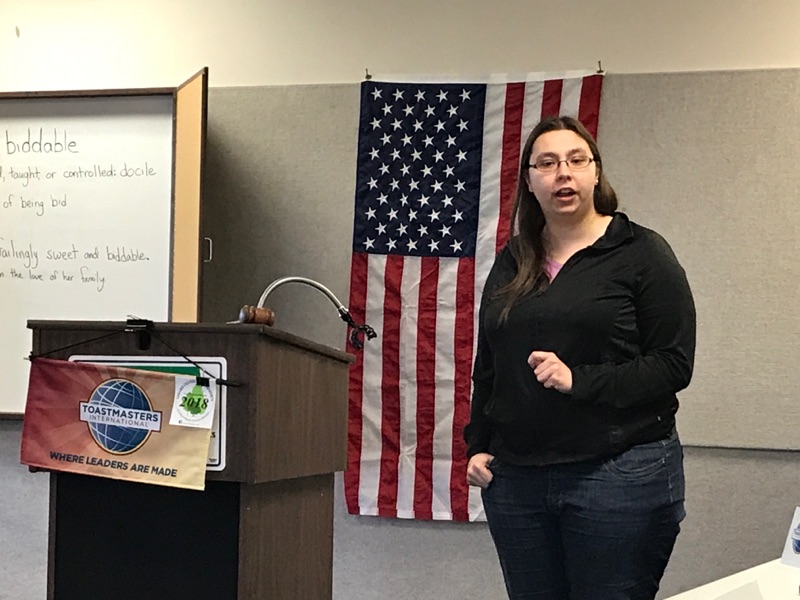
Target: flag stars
(409,208)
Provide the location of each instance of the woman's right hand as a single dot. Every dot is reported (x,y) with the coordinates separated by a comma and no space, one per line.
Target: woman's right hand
(478,472)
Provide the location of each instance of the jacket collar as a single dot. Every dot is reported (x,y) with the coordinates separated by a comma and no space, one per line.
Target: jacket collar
(619,231)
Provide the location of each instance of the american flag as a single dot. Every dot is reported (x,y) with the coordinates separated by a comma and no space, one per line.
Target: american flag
(436,178)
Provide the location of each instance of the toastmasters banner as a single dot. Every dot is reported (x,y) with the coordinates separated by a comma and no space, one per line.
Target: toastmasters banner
(116,422)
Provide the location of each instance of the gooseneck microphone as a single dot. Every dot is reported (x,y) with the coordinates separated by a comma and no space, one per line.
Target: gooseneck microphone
(263,315)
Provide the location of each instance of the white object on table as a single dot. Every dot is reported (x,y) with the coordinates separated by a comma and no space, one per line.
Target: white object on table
(773,581)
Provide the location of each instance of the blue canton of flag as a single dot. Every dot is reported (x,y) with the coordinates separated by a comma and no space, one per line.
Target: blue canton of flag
(419,169)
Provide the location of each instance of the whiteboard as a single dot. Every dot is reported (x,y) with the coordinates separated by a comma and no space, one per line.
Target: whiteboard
(85,217)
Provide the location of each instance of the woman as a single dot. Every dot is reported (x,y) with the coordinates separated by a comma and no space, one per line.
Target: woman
(586,333)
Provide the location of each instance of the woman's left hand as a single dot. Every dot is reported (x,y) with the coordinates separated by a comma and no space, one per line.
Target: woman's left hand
(550,371)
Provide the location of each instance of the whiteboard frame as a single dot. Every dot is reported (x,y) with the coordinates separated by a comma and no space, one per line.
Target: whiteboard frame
(189,125)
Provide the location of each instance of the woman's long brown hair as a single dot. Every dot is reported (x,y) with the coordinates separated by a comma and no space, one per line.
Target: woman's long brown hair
(528,246)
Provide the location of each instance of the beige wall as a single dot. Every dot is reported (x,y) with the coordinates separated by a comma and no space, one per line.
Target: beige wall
(74,44)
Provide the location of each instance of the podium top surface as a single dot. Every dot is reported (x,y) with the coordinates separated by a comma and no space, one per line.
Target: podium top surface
(212,328)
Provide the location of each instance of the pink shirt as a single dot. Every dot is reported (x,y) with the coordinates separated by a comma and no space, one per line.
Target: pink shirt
(552,268)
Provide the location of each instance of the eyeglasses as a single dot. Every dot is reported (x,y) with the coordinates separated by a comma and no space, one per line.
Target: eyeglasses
(550,165)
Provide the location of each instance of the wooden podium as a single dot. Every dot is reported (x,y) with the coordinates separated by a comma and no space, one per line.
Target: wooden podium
(262,528)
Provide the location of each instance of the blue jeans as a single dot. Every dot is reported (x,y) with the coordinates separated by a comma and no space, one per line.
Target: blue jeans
(588,531)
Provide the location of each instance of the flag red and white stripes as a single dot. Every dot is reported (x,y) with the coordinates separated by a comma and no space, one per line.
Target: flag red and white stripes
(437,174)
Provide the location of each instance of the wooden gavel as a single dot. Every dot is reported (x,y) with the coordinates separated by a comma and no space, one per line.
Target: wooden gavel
(255,314)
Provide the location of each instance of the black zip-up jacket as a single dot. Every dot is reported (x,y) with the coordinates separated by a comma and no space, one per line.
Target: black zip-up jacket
(620,315)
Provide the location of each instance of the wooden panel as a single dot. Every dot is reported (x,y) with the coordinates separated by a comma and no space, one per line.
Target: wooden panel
(302,424)
(190,132)
(286,539)
(51,537)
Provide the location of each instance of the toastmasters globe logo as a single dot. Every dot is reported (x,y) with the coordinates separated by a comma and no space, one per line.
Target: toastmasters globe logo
(120,416)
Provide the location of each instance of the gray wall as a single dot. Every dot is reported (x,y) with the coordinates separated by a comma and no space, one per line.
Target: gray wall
(23,522)
(278,201)
(706,159)
(695,157)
